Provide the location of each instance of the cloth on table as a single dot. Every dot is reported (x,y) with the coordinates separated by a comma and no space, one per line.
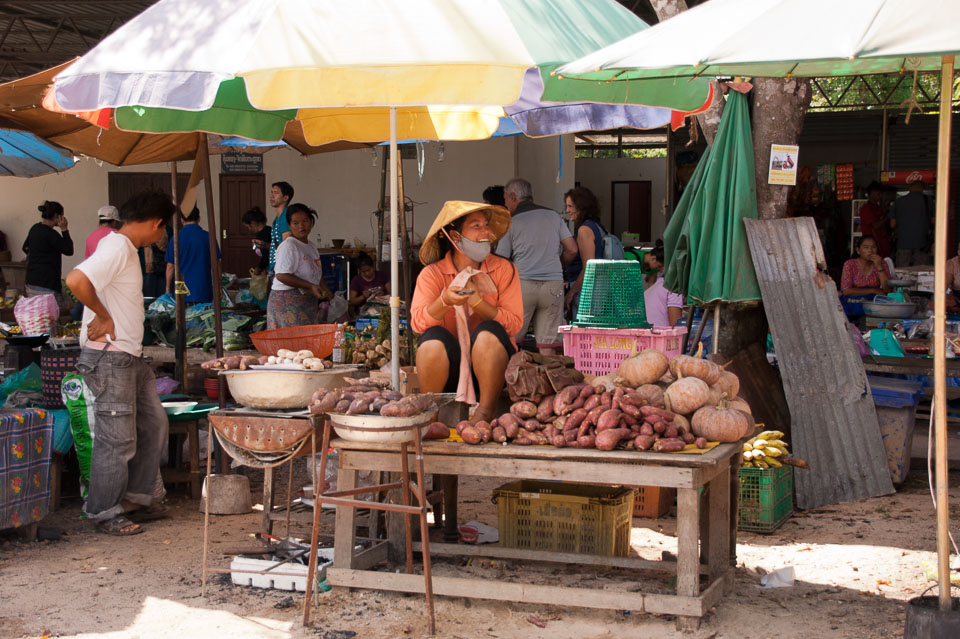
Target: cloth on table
(26,438)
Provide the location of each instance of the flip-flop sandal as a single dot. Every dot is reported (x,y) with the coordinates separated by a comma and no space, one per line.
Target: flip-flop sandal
(149,513)
(116,527)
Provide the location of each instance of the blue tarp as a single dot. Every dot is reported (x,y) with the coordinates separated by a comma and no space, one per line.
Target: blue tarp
(25,155)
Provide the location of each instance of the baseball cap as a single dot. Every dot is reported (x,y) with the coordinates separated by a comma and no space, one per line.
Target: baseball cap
(108,213)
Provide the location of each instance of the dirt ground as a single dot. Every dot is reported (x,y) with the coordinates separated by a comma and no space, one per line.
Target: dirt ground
(856,565)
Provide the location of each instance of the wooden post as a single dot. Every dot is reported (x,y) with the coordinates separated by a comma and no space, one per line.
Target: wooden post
(939,325)
(180,343)
(214,258)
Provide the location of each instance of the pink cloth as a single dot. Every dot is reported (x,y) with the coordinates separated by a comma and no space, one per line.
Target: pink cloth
(94,239)
(656,300)
(484,285)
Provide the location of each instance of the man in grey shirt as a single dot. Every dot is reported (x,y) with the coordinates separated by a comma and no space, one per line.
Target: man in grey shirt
(910,219)
(540,245)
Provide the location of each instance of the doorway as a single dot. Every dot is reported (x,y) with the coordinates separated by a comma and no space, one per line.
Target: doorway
(239,193)
(630,208)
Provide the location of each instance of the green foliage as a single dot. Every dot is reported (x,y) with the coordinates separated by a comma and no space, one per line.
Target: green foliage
(840,93)
(611,152)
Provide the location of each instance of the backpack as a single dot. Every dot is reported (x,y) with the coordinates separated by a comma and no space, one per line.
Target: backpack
(612,247)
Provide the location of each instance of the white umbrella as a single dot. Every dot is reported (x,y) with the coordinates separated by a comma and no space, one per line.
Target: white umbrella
(802,38)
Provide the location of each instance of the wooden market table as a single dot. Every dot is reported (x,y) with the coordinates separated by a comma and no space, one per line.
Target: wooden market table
(706,532)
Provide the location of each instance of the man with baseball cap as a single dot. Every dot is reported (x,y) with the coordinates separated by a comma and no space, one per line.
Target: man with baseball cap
(109,223)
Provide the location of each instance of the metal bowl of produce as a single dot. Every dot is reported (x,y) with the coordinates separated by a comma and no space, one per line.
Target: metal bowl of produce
(283,389)
(890,310)
(379,429)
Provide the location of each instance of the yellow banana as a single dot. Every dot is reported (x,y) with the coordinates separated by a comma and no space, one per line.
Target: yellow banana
(773,463)
(748,445)
(771,434)
(760,444)
(772,451)
(761,464)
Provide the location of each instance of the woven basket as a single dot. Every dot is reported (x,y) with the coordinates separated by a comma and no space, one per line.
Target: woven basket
(612,295)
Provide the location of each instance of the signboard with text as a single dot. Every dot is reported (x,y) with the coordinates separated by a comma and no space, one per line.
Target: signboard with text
(783,164)
(240,162)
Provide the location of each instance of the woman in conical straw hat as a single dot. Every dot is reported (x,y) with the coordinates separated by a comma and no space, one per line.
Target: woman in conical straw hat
(467,305)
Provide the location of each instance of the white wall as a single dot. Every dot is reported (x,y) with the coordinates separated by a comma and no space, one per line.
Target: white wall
(343,187)
(597,175)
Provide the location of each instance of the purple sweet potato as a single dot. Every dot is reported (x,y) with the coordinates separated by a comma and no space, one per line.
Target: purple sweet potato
(462,425)
(437,430)
(688,437)
(523,440)
(671,432)
(550,432)
(659,428)
(499,434)
(586,441)
(630,409)
(606,400)
(564,399)
(665,415)
(629,420)
(592,402)
(532,425)
(486,433)
(342,406)
(646,429)
(524,410)
(671,445)
(328,403)
(545,409)
(608,439)
(570,435)
(574,419)
(586,391)
(558,441)
(471,435)
(701,442)
(644,442)
(608,419)
(509,421)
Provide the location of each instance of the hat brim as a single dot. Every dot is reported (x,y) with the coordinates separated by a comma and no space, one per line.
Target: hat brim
(498,216)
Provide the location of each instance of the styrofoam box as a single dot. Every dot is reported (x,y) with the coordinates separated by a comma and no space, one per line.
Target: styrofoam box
(289,576)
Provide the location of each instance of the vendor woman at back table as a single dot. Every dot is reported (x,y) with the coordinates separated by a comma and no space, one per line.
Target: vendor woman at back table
(457,321)
(298,287)
(866,274)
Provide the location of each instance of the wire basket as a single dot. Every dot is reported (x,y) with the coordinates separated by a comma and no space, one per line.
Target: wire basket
(612,295)
(315,337)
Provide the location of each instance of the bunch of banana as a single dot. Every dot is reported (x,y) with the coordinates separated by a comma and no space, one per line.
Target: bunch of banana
(768,450)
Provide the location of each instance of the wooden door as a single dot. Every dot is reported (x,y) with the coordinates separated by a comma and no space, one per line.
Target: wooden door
(122,186)
(631,208)
(238,193)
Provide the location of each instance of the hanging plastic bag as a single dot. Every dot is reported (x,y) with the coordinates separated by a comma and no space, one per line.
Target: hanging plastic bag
(36,315)
(258,284)
(338,307)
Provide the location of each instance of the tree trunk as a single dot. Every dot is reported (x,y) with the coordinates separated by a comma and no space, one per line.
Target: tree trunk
(779,106)
(666,9)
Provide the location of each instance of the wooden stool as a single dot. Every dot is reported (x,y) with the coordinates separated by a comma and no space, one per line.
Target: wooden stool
(192,475)
(345,499)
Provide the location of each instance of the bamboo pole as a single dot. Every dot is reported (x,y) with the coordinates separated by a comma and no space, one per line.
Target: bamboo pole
(214,258)
(180,322)
(394,248)
(939,326)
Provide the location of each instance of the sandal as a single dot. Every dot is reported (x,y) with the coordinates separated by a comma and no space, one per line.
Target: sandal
(148,513)
(119,526)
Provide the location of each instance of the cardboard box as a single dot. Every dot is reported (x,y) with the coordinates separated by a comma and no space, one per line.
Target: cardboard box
(409,380)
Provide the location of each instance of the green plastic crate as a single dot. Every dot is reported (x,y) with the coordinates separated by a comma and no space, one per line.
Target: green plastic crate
(766,498)
(612,295)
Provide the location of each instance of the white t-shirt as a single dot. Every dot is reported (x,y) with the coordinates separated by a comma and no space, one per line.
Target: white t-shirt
(114,271)
(297,258)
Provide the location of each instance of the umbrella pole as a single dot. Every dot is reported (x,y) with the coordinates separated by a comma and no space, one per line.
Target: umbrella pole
(939,342)
(715,340)
(394,270)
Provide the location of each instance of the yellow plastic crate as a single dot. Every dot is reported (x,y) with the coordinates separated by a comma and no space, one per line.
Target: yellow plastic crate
(559,517)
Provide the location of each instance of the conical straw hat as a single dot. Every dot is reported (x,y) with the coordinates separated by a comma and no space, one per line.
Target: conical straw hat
(499,220)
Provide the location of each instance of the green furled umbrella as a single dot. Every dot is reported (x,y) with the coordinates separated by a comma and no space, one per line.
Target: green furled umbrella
(705,243)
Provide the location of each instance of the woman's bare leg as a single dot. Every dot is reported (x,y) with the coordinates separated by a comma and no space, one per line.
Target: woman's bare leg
(433,366)
(489,360)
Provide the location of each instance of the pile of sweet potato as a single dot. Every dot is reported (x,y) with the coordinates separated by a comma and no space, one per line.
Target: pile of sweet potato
(233,362)
(364,397)
(581,416)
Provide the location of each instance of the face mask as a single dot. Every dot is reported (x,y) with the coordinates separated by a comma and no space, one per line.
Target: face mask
(476,251)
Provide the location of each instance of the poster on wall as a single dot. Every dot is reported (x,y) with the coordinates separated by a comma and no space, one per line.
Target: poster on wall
(783,164)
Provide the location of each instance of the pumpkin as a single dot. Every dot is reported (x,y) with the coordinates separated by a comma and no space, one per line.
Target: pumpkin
(690,366)
(686,395)
(715,396)
(728,383)
(740,404)
(652,394)
(645,367)
(720,423)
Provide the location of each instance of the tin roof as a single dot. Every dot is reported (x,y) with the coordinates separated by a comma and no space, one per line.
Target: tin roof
(834,421)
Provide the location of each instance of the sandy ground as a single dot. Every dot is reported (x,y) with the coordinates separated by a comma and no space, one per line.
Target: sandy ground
(856,565)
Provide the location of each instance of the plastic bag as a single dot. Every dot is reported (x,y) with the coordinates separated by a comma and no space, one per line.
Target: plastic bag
(163,304)
(79,402)
(36,315)
(338,307)
(258,285)
(28,380)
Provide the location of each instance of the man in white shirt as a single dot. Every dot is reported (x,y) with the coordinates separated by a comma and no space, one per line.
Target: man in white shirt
(131,425)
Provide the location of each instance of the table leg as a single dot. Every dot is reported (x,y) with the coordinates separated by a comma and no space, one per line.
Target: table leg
(450,488)
(345,525)
(407,524)
(424,531)
(193,437)
(718,542)
(266,523)
(688,555)
(734,491)
(317,508)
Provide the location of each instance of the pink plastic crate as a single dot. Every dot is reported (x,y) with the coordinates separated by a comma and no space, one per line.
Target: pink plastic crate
(599,351)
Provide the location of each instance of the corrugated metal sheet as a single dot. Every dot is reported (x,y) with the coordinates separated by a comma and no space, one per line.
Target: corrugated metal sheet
(834,421)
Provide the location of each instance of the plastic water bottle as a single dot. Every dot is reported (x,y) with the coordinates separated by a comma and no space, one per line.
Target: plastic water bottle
(339,339)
